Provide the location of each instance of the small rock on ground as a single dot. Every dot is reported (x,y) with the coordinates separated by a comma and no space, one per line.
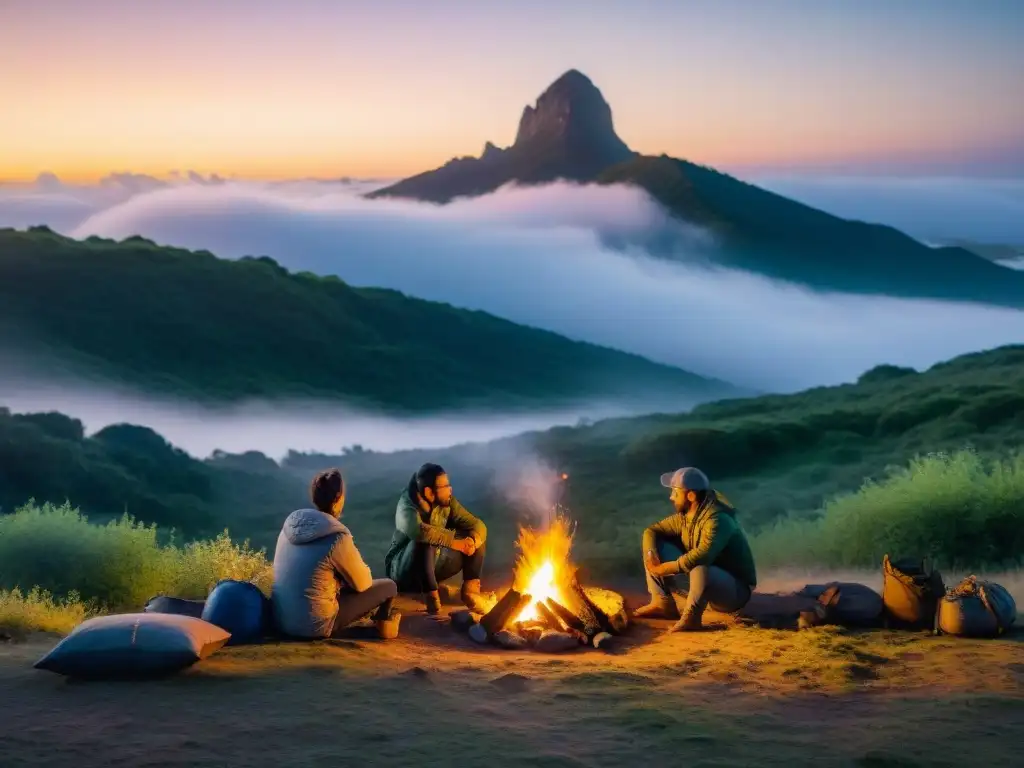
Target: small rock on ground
(463,620)
(508,639)
(556,642)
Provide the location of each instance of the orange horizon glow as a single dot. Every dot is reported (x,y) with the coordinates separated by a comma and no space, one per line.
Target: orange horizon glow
(390,167)
(313,89)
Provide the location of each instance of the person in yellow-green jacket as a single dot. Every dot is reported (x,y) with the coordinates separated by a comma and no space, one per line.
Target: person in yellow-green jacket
(699,553)
(435,538)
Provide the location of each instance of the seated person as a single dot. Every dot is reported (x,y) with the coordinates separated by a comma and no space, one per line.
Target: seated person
(321,583)
(701,543)
(436,538)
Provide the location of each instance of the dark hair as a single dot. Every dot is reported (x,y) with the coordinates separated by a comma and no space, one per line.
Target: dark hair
(425,477)
(325,489)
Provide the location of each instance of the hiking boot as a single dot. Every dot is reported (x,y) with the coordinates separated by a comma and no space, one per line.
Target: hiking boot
(433,602)
(472,598)
(690,622)
(658,608)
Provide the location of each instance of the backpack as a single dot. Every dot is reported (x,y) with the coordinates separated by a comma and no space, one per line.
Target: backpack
(845,604)
(976,608)
(910,593)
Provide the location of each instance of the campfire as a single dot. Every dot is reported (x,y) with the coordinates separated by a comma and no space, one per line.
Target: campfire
(547,608)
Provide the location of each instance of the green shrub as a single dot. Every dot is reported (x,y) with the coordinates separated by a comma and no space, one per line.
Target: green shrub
(954,508)
(119,565)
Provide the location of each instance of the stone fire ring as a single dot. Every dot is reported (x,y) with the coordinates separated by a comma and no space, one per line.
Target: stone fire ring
(547,639)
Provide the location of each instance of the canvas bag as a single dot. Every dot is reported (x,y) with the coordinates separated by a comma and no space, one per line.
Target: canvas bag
(910,593)
(976,608)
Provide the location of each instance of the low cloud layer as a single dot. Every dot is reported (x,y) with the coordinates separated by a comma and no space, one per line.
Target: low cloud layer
(538,257)
(276,429)
(986,210)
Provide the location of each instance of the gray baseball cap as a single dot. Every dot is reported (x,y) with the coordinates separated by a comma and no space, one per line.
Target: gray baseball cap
(687,478)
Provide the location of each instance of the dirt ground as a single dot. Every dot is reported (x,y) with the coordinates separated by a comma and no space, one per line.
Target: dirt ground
(732,695)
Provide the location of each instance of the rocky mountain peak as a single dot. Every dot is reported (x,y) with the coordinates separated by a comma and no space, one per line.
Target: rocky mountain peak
(572,111)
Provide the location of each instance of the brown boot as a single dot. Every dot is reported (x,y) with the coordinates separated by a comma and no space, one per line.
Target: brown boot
(433,602)
(472,598)
(658,608)
(690,622)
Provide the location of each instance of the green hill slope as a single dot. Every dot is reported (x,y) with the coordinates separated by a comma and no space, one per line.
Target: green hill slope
(764,232)
(774,456)
(190,324)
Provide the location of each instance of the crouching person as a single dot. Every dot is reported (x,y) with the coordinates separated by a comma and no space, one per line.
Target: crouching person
(699,553)
(436,538)
(321,583)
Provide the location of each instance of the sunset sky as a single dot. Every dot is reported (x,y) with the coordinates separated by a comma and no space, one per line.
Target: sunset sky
(254,88)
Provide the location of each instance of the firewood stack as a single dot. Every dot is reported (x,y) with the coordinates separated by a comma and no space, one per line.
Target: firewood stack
(592,618)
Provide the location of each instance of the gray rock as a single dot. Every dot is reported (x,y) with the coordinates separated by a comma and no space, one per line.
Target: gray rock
(462,620)
(556,642)
(511,640)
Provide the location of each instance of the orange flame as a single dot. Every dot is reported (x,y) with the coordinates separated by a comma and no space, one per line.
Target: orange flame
(543,565)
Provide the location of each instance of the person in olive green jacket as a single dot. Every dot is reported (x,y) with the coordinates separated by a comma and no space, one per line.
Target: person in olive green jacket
(702,543)
(436,538)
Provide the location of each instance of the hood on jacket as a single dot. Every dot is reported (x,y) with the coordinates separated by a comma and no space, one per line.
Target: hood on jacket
(305,525)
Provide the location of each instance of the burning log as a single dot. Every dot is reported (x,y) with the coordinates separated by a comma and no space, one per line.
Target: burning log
(568,623)
(569,618)
(589,614)
(531,630)
(548,618)
(503,611)
(609,607)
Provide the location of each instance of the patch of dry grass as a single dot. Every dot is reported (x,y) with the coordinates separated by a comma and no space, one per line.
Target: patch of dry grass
(39,611)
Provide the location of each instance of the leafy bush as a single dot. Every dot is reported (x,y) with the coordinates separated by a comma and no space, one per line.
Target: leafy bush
(120,565)
(955,508)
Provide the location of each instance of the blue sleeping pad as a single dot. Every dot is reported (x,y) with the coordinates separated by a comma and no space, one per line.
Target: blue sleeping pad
(240,608)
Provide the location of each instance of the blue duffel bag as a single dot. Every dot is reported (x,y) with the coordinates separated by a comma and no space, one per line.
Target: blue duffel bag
(177,606)
(238,607)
